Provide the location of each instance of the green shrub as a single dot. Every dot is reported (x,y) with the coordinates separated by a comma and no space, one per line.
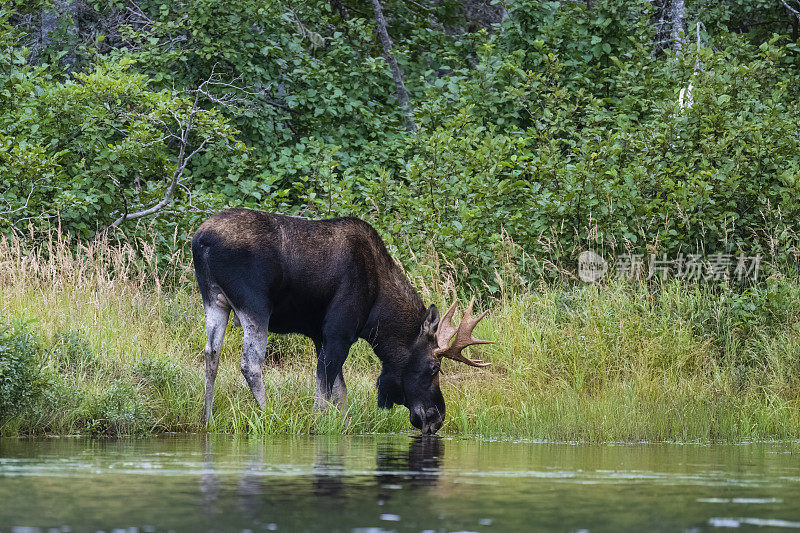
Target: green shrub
(58,408)
(162,374)
(120,411)
(72,353)
(20,372)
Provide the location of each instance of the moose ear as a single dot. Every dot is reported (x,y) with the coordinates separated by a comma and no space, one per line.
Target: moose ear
(431,322)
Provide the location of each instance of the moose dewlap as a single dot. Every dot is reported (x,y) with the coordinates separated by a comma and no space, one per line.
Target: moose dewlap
(333,281)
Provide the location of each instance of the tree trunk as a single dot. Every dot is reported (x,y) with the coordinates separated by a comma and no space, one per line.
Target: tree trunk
(340,8)
(397,74)
(677,15)
(48,24)
(62,10)
(794,14)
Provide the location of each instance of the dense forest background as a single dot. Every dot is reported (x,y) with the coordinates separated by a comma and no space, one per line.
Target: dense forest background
(502,135)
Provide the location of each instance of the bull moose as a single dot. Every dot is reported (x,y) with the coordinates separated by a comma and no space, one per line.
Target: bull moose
(333,281)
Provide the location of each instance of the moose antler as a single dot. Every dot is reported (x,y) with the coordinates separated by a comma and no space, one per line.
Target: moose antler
(463,335)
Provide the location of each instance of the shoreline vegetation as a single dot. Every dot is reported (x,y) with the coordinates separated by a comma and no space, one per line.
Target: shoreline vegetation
(96,340)
(489,143)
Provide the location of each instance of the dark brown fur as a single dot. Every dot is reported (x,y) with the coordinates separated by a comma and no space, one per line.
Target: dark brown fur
(331,280)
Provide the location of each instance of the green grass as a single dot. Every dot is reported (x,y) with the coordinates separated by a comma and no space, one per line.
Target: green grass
(120,353)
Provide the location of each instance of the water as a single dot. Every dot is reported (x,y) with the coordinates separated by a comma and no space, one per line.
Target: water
(393,483)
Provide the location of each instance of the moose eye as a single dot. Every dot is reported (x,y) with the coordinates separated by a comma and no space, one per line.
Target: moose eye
(435,368)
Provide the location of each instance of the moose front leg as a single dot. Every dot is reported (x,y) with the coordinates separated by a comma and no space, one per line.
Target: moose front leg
(336,395)
(330,379)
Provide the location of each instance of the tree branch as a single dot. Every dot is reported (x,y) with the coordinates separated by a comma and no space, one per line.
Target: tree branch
(180,166)
(794,11)
(397,74)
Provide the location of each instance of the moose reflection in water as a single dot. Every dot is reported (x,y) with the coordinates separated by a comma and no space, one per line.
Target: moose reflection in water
(419,466)
(392,483)
(329,468)
(263,492)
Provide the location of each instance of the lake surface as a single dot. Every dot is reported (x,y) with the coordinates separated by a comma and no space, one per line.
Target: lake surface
(393,483)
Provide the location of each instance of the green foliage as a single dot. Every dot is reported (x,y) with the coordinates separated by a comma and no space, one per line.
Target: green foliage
(82,152)
(590,43)
(20,373)
(73,353)
(162,374)
(556,129)
(120,411)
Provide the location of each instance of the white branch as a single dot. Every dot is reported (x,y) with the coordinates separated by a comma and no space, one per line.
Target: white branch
(185,125)
(167,197)
(791,9)
(179,168)
(27,199)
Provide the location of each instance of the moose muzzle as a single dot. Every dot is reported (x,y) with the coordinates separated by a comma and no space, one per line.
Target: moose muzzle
(426,420)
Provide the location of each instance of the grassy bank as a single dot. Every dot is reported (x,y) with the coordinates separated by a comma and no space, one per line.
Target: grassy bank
(93,341)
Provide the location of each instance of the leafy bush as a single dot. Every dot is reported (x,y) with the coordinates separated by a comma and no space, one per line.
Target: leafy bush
(20,373)
(557,129)
(73,353)
(162,374)
(120,411)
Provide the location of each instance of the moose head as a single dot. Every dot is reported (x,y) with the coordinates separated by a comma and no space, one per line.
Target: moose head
(418,386)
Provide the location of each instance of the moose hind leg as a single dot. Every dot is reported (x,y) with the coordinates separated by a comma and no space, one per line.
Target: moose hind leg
(253,353)
(216,322)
